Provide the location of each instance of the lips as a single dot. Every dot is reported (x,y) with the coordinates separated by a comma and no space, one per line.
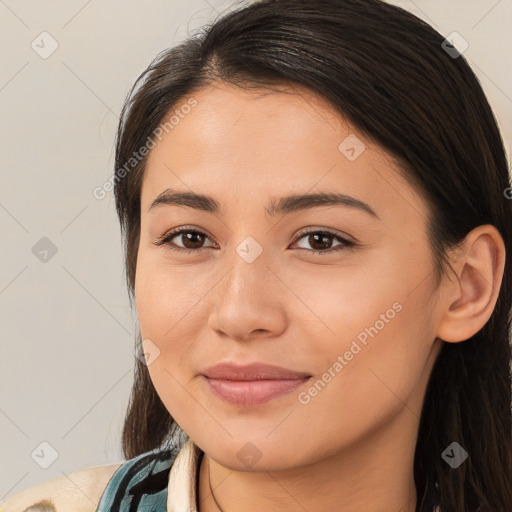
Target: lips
(254,371)
(253,384)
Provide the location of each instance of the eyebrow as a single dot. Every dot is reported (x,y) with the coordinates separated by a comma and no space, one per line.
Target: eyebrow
(282,206)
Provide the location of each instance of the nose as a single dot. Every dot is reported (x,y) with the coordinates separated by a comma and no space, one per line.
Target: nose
(249,301)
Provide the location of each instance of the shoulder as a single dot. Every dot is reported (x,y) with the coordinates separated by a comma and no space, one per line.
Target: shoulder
(79,491)
(141,479)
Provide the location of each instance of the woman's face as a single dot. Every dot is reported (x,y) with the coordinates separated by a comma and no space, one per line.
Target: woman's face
(359,319)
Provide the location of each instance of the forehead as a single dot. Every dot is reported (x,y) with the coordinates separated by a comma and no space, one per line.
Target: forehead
(250,144)
(225,112)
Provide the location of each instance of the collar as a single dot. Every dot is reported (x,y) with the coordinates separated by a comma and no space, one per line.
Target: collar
(181,495)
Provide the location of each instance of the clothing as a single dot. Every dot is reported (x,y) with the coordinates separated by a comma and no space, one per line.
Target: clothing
(163,480)
(79,491)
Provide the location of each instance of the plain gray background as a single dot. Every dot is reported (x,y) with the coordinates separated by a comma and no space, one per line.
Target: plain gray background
(67,333)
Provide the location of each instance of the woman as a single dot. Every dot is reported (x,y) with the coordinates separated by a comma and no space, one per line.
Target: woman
(314,202)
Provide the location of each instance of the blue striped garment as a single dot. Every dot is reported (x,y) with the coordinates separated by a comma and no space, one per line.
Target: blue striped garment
(140,484)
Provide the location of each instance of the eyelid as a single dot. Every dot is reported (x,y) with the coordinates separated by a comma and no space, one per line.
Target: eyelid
(319,229)
(346,243)
(165,238)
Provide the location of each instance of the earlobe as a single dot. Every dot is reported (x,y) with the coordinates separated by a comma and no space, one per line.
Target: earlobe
(470,299)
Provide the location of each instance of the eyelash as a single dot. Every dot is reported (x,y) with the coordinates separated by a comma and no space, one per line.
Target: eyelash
(167,237)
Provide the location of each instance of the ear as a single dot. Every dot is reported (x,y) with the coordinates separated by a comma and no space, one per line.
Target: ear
(469,300)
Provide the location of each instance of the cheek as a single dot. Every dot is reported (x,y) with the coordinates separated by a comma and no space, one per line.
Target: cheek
(363,385)
(360,299)
(370,333)
(165,296)
(167,317)
(171,310)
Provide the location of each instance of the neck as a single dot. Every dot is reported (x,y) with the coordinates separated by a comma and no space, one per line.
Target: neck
(374,473)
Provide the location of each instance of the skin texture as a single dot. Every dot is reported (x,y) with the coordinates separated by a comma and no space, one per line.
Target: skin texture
(351,446)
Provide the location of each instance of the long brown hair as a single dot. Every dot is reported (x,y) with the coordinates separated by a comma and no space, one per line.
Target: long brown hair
(389,74)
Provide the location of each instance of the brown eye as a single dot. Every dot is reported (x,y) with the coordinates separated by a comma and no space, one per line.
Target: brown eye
(192,240)
(321,242)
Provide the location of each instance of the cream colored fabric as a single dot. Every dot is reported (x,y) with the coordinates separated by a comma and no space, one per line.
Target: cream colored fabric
(79,491)
(181,491)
